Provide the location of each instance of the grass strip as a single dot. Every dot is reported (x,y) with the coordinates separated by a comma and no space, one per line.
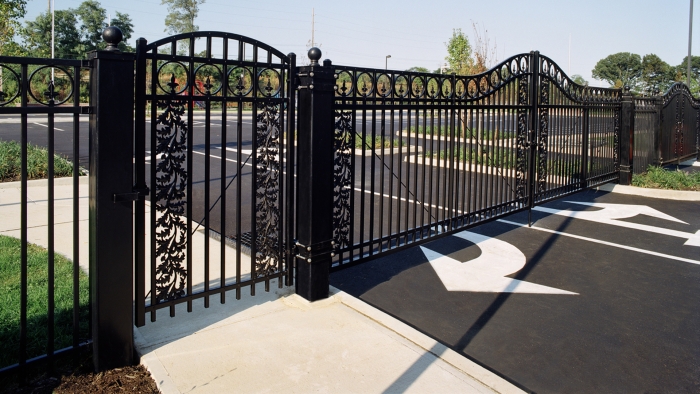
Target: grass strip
(378,142)
(37,162)
(37,301)
(661,178)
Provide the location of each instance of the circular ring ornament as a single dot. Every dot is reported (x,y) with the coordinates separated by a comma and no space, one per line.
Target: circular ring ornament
(384,87)
(269,82)
(344,85)
(417,86)
(401,86)
(461,89)
(172,80)
(5,97)
(472,88)
(524,67)
(365,85)
(433,88)
(240,81)
(447,90)
(209,75)
(61,80)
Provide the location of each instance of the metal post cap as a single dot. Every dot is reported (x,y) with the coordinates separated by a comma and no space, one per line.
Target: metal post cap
(315,55)
(112,36)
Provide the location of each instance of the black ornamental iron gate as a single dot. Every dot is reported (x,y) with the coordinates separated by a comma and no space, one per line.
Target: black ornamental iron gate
(422,155)
(213,120)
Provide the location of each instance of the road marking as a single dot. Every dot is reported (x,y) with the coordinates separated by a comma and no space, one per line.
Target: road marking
(43,125)
(649,252)
(610,212)
(487,272)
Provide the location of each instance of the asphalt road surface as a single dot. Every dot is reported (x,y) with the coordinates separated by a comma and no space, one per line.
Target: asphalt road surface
(604,300)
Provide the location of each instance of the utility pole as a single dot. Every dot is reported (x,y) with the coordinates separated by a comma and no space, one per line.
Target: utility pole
(313,15)
(690,39)
(52,8)
(569,71)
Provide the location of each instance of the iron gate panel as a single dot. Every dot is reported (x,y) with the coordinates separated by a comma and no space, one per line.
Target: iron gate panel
(199,92)
(646,118)
(577,134)
(420,155)
(680,124)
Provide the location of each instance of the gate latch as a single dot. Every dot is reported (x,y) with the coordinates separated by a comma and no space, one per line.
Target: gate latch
(135,195)
(309,252)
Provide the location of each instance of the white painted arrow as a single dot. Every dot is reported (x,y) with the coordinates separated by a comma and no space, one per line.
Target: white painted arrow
(611,212)
(487,272)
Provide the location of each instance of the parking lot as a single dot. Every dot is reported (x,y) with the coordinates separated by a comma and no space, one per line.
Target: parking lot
(601,294)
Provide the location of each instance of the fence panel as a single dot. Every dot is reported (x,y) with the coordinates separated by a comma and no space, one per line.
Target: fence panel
(418,155)
(646,122)
(45,309)
(680,126)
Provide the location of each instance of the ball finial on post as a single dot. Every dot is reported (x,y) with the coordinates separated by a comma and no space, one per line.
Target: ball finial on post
(314,55)
(112,36)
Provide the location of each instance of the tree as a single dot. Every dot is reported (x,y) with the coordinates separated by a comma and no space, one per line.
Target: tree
(123,22)
(459,53)
(681,72)
(484,54)
(579,80)
(418,70)
(181,15)
(657,75)
(94,21)
(11,11)
(619,69)
(37,36)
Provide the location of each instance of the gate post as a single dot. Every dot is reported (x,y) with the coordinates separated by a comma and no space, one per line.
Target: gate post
(111,200)
(659,103)
(626,136)
(315,178)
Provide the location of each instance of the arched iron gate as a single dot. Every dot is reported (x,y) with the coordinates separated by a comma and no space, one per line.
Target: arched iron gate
(224,100)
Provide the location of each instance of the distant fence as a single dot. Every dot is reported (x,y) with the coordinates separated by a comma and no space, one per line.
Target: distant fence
(666,128)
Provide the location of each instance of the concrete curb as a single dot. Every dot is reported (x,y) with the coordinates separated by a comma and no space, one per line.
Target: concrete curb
(680,195)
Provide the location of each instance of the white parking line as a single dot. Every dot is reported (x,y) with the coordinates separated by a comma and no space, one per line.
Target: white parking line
(43,125)
(649,252)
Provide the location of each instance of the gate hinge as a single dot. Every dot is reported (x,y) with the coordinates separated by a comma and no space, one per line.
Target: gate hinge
(136,195)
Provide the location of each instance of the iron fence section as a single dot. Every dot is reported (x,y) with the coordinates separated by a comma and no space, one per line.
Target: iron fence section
(577,134)
(680,125)
(418,155)
(646,122)
(199,92)
(46,88)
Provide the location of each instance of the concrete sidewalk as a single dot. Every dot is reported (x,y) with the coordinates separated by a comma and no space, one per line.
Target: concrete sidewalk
(272,342)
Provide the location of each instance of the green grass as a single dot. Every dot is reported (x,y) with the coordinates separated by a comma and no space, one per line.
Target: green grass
(37,301)
(661,178)
(37,162)
(378,142)
(444,131)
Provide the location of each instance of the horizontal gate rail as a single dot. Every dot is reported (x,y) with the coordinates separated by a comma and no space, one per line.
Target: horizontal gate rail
(46,87)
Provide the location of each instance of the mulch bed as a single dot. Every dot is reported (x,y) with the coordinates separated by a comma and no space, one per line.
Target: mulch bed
(135,379)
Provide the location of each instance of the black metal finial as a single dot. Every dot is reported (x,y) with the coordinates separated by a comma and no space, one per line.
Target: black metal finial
(314,55)
(112,36)
(626,89)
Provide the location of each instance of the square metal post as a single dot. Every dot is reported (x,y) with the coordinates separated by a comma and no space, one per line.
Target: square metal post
(626,137)
(110,205)
(315,138)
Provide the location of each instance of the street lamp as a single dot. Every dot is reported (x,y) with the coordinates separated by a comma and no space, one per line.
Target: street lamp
(386,62)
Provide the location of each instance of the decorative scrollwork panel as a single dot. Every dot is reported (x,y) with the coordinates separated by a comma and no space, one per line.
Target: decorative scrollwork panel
(171,178)
(342,178)
(267,185)
(521,155)
(542,135)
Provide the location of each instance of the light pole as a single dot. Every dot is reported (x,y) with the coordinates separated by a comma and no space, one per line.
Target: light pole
(690,39)
(386,62)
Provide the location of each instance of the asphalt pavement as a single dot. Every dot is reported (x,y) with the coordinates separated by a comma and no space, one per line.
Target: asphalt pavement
(601,294)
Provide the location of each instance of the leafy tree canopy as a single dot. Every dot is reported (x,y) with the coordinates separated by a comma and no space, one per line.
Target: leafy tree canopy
(459,53)
(579,80)
(10,12)
(619,69)
(418,69)
(181,15)
(656,74)
(37,36)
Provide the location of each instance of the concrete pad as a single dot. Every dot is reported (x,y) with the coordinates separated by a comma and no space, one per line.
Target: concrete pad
(279,342)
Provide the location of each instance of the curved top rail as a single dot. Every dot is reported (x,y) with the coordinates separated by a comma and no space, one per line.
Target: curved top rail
(551,70)
(679,88)
(217,34)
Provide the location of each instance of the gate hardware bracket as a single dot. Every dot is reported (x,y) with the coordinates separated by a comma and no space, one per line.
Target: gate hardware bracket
(309,252)
(310,87)
(135,195)
(311,74)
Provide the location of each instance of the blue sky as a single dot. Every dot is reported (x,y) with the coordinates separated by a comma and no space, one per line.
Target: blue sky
(363,32)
